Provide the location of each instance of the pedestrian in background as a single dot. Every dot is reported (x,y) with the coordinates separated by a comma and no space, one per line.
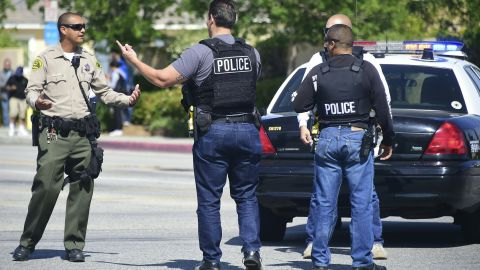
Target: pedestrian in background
(378,251)
(17,105)
(59,83)
(4,76)
(118,83)
(219,77)
(345,89)
(126,112)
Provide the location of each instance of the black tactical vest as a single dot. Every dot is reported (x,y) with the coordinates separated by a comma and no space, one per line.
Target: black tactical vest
(340,96)
(230,87)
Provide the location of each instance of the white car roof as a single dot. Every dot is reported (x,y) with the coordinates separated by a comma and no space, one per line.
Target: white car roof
(469,91)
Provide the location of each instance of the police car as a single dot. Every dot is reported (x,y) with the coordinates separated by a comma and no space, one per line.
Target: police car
(435,167)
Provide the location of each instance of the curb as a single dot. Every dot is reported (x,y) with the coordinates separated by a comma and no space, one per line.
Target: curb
(132,145)
(145,146)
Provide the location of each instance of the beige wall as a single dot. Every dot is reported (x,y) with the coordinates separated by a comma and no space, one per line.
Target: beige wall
(14,54)
(36,44)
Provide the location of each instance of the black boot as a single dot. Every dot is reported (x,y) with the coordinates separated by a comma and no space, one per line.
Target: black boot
(206,265)
(21,253)
(75,255)
(370,267)
(252,260)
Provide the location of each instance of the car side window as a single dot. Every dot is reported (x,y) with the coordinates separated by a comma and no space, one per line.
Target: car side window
(421,87)
(284,101)
(474,74)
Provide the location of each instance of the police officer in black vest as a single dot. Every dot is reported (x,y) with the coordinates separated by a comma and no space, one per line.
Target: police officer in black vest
(345,90)
(219,76)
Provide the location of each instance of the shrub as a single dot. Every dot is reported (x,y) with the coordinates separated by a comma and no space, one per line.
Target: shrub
(266,89)
(161,113)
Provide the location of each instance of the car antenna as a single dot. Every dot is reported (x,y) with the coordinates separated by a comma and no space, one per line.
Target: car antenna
(386,42)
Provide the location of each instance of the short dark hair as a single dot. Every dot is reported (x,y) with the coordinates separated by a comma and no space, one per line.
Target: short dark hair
(115,63)
(63,19)
(223,12)
(341,34)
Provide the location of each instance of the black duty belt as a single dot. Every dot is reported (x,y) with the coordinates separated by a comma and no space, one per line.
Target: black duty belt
(234,118)
(64,125)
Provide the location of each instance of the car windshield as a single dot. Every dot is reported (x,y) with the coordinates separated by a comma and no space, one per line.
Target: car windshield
(420,87)
(284,101)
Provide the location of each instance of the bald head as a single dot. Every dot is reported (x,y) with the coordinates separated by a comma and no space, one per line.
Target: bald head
(338,19)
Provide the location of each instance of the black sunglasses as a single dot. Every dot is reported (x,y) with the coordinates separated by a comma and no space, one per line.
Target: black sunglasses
(76,27)
(327,39)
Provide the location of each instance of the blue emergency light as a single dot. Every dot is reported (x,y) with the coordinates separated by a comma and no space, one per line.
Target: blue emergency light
(436,46)
(410,46)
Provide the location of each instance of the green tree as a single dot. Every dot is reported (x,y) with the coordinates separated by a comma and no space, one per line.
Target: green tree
(5,5)
(5,38)
(458,19)
(125,20)
(303,21)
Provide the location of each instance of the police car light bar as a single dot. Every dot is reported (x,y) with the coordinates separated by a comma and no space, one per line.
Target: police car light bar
(409,46)
(436,46)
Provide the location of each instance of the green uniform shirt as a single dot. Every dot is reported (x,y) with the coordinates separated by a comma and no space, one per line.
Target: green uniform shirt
(53,75)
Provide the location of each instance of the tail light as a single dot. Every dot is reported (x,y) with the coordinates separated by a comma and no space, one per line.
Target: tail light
(448,139)
(267,146)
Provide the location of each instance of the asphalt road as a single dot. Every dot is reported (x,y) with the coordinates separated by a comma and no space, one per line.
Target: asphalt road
(143,217)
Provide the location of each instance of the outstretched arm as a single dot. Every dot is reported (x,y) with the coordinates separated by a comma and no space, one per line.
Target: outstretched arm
(161,77)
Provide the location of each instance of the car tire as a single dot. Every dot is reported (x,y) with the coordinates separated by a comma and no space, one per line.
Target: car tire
(272,226)
(471,227)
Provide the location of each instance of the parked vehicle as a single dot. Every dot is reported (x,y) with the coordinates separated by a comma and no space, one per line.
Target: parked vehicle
(435,167)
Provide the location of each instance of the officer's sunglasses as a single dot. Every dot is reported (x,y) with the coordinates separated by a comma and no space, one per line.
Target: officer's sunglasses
(76,27)
(325,30)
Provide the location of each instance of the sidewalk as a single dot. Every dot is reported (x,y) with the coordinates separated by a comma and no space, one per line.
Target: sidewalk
(139,143)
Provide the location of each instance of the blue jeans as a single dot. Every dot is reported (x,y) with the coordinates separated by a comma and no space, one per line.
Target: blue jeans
(337,156)
(231,149)
(5,113)
(127,114)
(377,222)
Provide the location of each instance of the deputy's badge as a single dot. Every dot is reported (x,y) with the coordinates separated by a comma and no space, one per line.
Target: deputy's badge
(37,64)
(86,67)
(98,65)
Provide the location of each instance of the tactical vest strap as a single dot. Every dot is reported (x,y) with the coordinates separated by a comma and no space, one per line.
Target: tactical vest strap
(324,67)
(357,64)
(358,51)
(211,43)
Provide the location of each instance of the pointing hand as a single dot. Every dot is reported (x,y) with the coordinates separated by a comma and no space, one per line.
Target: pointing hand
(127,51)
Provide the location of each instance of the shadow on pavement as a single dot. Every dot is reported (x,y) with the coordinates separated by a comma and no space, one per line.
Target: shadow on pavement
(412,234)
(40,254)
(175,264)
(307,264)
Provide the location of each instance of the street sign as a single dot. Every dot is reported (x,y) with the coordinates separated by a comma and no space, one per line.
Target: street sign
(51,10)
(50,34)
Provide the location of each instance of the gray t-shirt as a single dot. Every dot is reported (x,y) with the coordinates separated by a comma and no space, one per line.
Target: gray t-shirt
(196,62)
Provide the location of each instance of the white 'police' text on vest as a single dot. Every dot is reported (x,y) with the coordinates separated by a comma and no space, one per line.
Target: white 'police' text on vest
(232,64)
(340,108)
